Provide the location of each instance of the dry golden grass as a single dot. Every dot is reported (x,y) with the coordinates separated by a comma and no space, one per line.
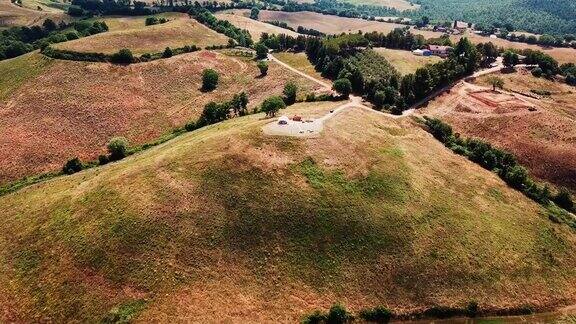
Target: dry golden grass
(240,19)
(404,61)
(13,15)
(85,104)
(122,23)
(301,63)
(225,224)
(543,140)
(141,39)
(396,4)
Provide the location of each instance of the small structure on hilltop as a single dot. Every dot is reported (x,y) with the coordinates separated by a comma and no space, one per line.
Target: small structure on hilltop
(283,120)
(461,26)
(438,50)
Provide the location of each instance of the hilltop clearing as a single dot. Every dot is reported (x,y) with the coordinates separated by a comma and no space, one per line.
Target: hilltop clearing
(404,61)
(54,110)
(227,224)
(539,129)
(139,38)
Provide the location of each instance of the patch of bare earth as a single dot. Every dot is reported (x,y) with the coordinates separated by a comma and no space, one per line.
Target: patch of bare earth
(540,131)
(74,108)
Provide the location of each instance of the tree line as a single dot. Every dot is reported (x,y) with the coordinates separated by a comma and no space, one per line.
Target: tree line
(500,161)
(123,56)
(16,41)
(205,17)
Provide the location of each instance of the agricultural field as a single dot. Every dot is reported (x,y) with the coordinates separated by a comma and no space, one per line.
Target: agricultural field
(401,5)
(404,61)
(240,19)
(85,104)
(296,223)
(13,15)
(539,130)
(50,6)
(132,33)
(330,24)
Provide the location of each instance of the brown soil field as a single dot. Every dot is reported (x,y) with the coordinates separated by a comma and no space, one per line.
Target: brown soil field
(330,24)
(240,19)
(13,15)
(178,32)
(84,104)
(539,131)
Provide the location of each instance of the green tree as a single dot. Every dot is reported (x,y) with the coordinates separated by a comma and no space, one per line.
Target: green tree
(272,105)
(254,13)
(118,148)
(496,82)
(261,51)
(263,66)
(564,200)
(209,79)
(290,92)
(343,87)
(49,25)
(510,59)
(72,166)
(123,56)
(167,52)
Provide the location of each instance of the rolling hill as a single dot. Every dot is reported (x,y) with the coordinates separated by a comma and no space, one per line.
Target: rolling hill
(53,110)
(227,224)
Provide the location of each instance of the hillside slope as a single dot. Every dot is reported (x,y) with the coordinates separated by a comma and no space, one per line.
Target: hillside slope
(225,223)
(52,110)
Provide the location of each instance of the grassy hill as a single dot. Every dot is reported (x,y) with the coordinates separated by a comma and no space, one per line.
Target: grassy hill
(227,224)
(139,38)
(52,110)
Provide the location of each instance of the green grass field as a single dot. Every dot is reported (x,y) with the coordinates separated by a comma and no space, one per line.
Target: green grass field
(18,70)
(228,224)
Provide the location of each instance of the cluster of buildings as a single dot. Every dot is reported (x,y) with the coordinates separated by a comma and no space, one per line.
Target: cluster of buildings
(437,50)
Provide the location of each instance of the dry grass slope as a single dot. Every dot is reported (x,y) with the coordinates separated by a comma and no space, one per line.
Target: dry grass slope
(374,212)
(404,61)
(240,19)
(85,104)
(13,15)
(140,39)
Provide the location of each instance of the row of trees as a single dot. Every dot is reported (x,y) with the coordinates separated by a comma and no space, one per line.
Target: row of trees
(123,56)
(499,161)
(16,41)
(203,16)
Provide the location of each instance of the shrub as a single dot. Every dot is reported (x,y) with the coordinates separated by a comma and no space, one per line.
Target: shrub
(263,66)
(290,91)
(343,87)
(75,11)
(209,80)
(537,72)
(472,309)
(167,52)
(190,126)
(564,200)
(72,36)
(315,318)
(103,159)
(151,21)
(377,314)
(72,166)
(337,315)
(118,148)
(261,51)
(271,105)
(123,56)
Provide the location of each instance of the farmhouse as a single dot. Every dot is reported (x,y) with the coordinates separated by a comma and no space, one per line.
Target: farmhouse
(442,51)
(460,25)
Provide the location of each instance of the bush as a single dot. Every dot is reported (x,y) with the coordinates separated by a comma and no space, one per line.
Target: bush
(343,87)
(378,315)
(151,21)
(537,72)
(72,166)
(190,126)
(263,66)
(271,105)
(167,52)
(75,11)
(337,315)
(103,159)
(290,92)
(564,200)
(72,36)
(261,51)
(209,80)
(472,309)
(123,56)
(118,148)
(315,318)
